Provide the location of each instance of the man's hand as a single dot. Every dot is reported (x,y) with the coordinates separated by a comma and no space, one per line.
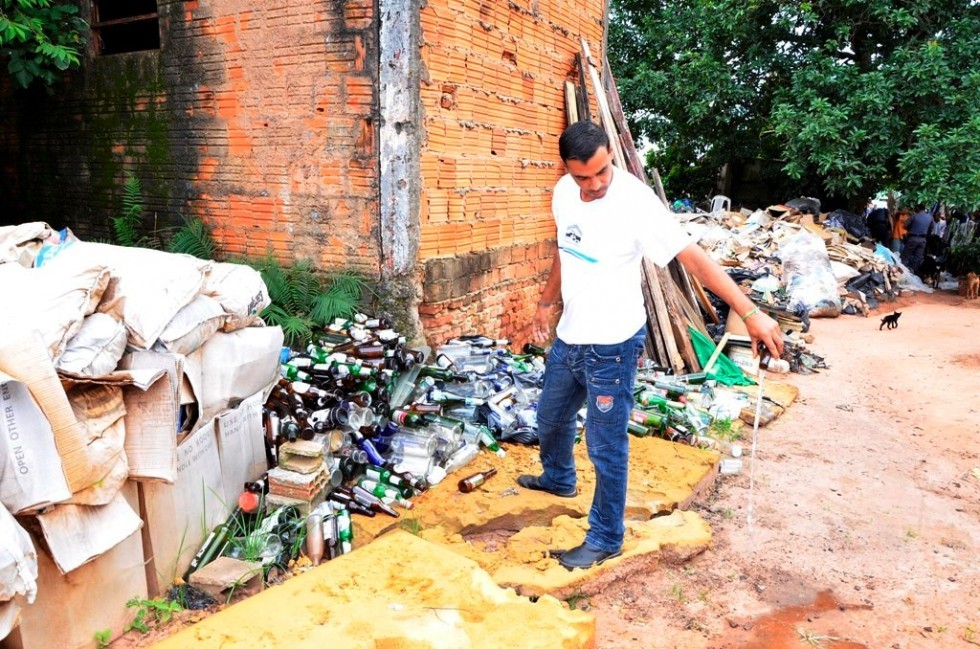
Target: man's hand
(764,331)
(541,324)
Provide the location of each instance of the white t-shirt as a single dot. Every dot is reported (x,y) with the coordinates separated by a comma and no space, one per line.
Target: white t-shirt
(601,244)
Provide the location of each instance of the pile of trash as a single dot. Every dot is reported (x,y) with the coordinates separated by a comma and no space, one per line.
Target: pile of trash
(801,261)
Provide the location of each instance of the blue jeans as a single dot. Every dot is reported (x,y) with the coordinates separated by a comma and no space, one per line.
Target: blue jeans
(601,376)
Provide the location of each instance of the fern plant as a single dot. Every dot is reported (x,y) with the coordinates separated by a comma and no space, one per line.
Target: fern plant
(128,226)
(194,238)
(303,300)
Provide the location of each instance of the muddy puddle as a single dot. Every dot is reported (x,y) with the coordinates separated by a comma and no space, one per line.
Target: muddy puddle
(811,624)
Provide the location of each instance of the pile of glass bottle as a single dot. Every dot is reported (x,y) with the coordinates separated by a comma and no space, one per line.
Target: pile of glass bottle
(392,425)
(372,401)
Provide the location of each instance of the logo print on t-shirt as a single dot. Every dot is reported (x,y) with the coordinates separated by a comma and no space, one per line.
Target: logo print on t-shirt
(571,241)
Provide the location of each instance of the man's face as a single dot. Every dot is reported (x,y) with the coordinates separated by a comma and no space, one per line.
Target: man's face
(593,176)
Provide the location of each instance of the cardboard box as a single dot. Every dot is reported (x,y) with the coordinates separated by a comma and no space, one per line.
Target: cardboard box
(77,534)
(152,414)
(241,445)
(30,468)
(230,367)
(190,393)
(177,517)
(213,463)
(71,608)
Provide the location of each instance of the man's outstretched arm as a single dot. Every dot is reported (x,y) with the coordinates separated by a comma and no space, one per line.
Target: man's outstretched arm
(762,328)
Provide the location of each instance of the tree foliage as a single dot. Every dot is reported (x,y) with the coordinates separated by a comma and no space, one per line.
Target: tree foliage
(842,98)
(40,39)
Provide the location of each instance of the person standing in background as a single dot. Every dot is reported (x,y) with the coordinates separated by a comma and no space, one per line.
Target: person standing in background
(898,230)
(938,224)
(919,226)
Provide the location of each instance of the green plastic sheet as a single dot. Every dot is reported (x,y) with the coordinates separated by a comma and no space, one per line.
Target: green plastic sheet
(725,371)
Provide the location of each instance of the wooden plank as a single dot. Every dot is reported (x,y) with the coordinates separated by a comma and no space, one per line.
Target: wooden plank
(703,300)
(663,316)
(694,316)
(571,103)
(656,345)
(659,186)
(678,323)
(606,117)
(616,109)
(683,281)
(584,109)
(715,354)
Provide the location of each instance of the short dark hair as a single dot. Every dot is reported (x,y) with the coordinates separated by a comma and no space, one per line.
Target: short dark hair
(581,140)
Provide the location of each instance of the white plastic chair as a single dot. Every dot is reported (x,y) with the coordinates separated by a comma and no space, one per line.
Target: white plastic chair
(719,203)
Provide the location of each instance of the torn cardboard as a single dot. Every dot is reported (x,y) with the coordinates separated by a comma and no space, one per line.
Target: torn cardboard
(77,534)
(31,475)
(25,360)
(71,608)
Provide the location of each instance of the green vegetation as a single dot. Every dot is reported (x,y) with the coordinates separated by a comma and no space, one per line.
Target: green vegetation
(102,638)
(578,602)
(835,98)
(964,258)
(127,228)
(303,299)
(151,612)
(677,592)
(40,39)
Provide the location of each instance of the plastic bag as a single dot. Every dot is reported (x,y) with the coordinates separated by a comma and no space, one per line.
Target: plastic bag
(810,282)
(910,280)
(848,221)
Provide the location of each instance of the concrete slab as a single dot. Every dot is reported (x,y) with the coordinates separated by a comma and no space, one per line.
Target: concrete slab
(399,591)
(225,573)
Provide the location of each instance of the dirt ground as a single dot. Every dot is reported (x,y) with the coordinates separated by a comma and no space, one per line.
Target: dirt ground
(863,526)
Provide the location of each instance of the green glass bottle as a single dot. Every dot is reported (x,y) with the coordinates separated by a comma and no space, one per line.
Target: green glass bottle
(294,373)
(384,491)
(410,419)
(345,532)
(649,419)
(439,373)
(486,438)
(637,429)
(381,474)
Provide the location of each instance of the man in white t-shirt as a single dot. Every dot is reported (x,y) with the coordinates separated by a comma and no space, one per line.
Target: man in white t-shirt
(607,221)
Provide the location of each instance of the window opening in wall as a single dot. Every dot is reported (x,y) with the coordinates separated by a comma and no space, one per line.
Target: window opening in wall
(125,26)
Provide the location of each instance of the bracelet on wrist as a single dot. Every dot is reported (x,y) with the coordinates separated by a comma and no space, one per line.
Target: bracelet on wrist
(751,313)
(545,304)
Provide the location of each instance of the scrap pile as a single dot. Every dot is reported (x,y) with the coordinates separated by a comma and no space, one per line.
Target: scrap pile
(833,273)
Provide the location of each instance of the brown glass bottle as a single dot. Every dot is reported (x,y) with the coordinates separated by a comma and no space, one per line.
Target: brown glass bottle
(470,483)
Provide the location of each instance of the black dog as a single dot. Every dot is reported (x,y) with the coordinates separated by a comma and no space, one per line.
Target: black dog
(934,262)
(890,320)
(930,270)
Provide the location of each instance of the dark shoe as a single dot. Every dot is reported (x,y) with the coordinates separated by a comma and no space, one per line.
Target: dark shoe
(585,556)
(532,482)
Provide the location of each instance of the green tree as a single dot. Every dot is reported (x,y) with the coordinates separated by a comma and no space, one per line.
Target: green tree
(40,39)
(841,98)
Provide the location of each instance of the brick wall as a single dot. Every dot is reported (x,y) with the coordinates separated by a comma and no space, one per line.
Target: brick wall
(493,100)
(259,118)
